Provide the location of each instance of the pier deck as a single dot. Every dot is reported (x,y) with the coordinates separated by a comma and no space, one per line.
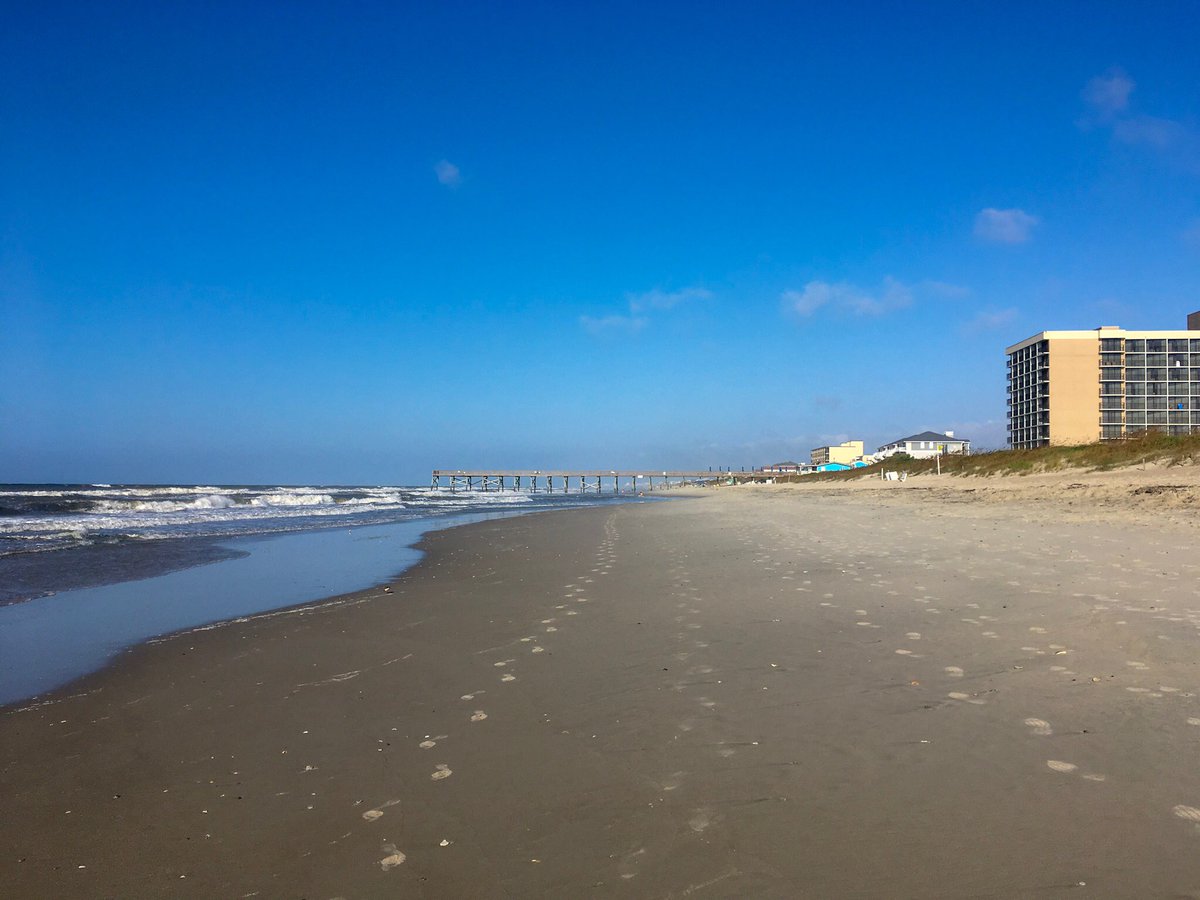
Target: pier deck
(585,480)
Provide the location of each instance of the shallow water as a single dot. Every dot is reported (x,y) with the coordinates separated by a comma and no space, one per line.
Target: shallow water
(50,641)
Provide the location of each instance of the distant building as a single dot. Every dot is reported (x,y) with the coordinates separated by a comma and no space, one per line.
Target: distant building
(783,468)
(833,467)
(926,445)
(1079,387)
(846,452)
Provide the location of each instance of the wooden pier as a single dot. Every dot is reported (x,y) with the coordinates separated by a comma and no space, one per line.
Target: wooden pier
(583,482)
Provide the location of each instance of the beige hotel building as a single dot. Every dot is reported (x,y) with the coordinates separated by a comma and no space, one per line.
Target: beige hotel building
(1079,387)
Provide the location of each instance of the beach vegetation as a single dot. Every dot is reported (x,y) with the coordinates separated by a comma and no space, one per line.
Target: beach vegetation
(1144,448)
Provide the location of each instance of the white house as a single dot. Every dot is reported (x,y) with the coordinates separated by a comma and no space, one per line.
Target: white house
(926,445)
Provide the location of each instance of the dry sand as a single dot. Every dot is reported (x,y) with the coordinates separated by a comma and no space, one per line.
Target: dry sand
(793,692)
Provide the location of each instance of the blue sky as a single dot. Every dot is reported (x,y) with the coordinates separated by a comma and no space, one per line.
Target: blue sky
(346,243)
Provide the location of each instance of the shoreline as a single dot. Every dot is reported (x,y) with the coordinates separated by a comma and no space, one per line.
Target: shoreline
(748,695)
(164,582)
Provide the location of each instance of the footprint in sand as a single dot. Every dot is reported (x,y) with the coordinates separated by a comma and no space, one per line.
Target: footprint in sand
(672,781)
(701,819)
(537,650)
(974,701)
(1189,813)
(394,857)
(478,716)
(905,652)
(953,671)
(1058,765)
(441,771)
(427,745)
(628,866)
(1039,726)
(913,635)
(507,677)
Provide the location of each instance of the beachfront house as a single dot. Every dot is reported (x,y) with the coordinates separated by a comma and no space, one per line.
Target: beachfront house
(782,468)
(840,467)
(926,445)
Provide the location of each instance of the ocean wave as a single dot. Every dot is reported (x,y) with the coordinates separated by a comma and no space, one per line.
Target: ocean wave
(292,499)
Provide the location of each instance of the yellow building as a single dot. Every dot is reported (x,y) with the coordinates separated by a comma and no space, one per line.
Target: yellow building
(846,452)
(1078,387)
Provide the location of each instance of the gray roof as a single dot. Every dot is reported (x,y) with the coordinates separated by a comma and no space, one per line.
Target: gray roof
(929,436)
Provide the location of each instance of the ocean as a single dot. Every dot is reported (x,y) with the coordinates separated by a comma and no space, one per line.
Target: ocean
(89,570)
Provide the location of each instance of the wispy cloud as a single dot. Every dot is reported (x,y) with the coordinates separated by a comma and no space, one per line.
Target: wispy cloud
(657,299)
(639,307)
(1004,226)
(847,298)
(1109,105)
(989,320)
(1108,95)
(447,173)
(608,325)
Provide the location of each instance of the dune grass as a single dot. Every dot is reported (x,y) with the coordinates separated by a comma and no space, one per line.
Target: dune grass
(1147,446)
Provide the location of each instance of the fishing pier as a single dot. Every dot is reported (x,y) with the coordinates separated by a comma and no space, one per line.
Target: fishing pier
(582,482)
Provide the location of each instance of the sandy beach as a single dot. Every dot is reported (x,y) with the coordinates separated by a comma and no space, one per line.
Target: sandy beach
(935,689)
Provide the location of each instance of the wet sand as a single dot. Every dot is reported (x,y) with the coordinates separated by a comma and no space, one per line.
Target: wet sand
(757,693)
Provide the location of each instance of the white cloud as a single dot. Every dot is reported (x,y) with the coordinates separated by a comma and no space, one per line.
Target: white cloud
(1150,130)
(657,299)
(602,325)
(639,305)
(1004,226)
(447,173)
(1108,95)
(1108,100)
(847,298)
(990,320)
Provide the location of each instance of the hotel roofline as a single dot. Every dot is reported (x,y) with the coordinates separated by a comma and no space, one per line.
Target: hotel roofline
(1103,331)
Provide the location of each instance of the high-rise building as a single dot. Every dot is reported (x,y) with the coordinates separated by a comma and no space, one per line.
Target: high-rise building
(1078,387)
(845,452)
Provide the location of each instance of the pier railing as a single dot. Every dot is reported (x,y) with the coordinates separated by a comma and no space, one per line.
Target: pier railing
(564,481)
